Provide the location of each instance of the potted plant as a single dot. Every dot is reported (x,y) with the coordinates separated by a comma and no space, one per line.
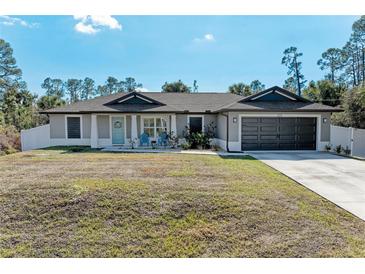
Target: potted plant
(133,142)
(328,147)
(173,140)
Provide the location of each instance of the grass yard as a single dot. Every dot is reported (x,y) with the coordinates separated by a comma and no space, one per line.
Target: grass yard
(59,203)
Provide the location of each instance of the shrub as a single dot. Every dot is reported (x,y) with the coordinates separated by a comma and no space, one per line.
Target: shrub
(328,147)
(173,140)
(216,148)
(200,139)
(338,149)
(347,150)
(9,140)
(185,146)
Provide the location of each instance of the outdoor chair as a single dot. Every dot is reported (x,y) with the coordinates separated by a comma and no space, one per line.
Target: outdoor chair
(144,139)
(163,139)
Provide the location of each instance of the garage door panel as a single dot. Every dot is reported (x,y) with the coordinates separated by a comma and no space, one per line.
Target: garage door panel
(306,129)
(268,129)
(246,129)
(269,146)
(250,120)
(269,120)
(288,133)
(250,137)
(288,121)
(268,137)
(306,138)
(305,146)
(248,146)
(287,146)
(287,130)
(306,121)
(287,137)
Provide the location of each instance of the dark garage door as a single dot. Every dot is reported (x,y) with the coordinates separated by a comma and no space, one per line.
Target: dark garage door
(278,133)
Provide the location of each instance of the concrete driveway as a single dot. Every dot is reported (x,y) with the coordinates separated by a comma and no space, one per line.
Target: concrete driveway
(338,179)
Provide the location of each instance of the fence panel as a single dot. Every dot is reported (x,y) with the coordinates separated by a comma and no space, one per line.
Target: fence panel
(37,137)
(340,136)
(358,146)
(353,138)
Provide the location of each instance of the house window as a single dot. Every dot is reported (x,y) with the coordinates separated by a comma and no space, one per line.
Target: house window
(73,127)
(195,123)
(154,126)
(149,126)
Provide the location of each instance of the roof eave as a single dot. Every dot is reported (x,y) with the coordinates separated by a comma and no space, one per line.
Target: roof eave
(282,110)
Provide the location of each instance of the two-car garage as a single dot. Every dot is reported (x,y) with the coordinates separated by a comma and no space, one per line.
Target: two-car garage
(277,119)
(278,133)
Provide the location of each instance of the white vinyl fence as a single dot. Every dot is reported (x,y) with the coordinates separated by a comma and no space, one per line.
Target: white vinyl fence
(353,138)
(37,137)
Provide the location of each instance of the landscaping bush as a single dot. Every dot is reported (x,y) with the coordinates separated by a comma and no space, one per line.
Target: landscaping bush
(338,149)
(9,140)
(185,146)
(328,147)
(200,140)
(347,151)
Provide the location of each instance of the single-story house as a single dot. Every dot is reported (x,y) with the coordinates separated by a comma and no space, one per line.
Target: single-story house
(274,119)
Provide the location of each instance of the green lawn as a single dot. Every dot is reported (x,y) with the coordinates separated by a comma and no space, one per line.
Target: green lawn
(59,203)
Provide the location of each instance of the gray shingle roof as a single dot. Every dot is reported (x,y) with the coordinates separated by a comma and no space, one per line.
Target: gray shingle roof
(279,106)
(170,102)
(185,102)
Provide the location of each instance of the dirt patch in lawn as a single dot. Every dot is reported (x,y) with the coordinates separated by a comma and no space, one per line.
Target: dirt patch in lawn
(59,203)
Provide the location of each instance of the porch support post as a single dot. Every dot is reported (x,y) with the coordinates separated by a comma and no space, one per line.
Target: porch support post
(94,132)
(173,124)
(134,134)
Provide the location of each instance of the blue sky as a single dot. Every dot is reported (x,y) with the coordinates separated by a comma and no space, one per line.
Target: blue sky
(215,50)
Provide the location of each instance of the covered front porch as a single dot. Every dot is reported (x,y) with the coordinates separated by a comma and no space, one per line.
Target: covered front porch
(125,129)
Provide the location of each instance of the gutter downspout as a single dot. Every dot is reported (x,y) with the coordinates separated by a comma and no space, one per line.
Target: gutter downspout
(227,133)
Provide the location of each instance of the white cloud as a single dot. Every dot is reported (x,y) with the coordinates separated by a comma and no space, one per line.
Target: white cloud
(84,28)
(13,21)
(208,37)
(142,90)
(91,24)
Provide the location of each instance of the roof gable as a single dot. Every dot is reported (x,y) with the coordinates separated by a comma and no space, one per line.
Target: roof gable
(134,98)
(275,94)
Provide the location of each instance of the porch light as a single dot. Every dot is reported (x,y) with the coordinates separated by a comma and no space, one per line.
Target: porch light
(324,120)
(234,120)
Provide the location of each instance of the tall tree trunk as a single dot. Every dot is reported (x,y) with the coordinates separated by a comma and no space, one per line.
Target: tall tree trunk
(354,68)
(353,74)
(358,67)
(297,76)
(363,65)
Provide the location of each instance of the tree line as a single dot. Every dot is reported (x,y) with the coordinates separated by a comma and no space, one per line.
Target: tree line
(342,84)
(77,89)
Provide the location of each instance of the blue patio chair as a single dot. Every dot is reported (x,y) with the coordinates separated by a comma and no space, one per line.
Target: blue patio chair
(144,139)
(163,139)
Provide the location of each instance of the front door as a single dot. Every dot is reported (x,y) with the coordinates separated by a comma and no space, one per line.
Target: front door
(118,130)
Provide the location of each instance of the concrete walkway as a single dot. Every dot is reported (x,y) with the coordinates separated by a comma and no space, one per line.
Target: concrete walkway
(168,150)
(338,179)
